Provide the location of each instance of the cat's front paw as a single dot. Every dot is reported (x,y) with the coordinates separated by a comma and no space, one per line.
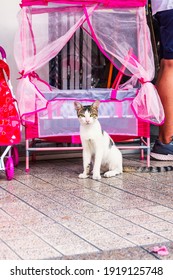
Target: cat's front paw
(96,176)
(83,176)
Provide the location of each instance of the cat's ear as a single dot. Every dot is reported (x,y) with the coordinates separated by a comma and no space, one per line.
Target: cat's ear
(96,104)
(77,105)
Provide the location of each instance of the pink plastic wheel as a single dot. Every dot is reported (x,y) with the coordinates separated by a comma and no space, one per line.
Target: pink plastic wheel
(9,168)
(15,155)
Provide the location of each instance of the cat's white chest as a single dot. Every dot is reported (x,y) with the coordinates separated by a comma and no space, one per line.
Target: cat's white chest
(90,136)
(91,145)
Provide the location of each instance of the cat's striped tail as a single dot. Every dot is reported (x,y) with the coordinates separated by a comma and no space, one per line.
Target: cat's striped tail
(145,169)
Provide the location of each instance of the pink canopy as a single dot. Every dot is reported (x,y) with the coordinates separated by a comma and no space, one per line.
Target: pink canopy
(122,35)
(106,3)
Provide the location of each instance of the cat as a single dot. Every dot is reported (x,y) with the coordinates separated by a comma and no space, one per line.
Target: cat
(98,146)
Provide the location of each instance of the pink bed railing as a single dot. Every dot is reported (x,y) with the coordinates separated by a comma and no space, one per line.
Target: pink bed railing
(107,3)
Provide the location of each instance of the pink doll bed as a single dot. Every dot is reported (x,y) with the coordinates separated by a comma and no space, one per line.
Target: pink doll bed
(120,31)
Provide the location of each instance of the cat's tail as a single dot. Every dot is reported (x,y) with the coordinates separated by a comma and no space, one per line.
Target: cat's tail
(145,169)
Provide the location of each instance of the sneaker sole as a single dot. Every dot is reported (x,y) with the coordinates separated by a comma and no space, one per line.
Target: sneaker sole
(161,156)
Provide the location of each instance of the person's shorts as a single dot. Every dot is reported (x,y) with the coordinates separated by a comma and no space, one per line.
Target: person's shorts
(165,24)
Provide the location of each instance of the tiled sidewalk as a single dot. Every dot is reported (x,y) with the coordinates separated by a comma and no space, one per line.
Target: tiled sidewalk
(51,214)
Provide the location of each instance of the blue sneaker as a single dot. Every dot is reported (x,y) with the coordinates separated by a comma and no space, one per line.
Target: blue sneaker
(162,151)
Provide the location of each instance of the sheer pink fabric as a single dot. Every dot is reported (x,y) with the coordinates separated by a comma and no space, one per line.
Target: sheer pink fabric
(117,32)
(107,3)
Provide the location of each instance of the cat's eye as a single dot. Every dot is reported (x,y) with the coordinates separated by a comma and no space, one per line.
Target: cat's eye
(93,115)
(82,116)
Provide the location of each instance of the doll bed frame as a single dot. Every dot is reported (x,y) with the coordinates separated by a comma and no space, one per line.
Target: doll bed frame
(59,123)
(126,110)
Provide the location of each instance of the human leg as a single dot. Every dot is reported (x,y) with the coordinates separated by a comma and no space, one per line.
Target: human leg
(163,147)
(164,86)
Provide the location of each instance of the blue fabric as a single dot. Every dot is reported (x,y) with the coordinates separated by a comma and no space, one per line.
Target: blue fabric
(165,23)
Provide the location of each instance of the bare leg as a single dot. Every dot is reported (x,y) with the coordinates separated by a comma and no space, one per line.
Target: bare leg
(165,89)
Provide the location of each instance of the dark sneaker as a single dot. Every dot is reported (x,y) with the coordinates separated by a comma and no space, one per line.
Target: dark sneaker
(162,151)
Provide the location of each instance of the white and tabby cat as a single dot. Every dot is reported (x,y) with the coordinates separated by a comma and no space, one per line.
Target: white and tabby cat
(100,150)
(98,147)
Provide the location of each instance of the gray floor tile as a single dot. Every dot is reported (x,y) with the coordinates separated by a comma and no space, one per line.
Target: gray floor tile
(49,213)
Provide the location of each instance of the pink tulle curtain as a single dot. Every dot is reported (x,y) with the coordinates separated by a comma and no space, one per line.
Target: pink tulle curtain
(107,3)
(33,48)
(121,34)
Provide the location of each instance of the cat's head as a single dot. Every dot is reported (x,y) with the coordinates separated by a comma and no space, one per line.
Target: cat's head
(87,114)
